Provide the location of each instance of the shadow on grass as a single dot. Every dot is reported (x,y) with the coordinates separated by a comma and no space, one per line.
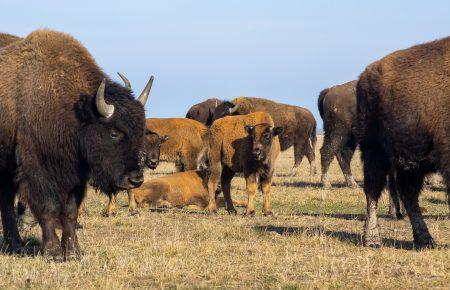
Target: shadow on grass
(31,248)
(316,185)
(362,217)
(345,237)
(436,200)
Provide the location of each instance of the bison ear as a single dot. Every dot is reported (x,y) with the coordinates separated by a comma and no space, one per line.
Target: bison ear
(249,129)
(277,131)
(164,138)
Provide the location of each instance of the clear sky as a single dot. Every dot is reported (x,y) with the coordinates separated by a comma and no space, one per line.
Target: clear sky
(287,51)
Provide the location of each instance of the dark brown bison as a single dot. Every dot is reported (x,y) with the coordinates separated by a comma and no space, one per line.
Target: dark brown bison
(152,149)
(403,127)
(203,112)
(62,121)
(299,125)
(247,144)
(187,139)
(337,107)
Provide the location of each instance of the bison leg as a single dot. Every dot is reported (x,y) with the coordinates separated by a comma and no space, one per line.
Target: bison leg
(69,239)
(266,184)
(50,242)
(375,172)
(308,149)
(252,186)
(297,159)
(330,147)
(409,184)
(394,202)
(213,183)
(11,238)
(344,157)
(226,177)
(109,210)
(132,206)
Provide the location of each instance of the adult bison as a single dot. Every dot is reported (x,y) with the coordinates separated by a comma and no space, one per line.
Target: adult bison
(187,139)
(247,144)
(62,121)
(299,125)
(152,149)
(337,107)
(403,127)
(203,112)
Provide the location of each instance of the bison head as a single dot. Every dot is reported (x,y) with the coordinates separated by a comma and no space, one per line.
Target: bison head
(224,109)
(112,136)
(261,137)
(153,148)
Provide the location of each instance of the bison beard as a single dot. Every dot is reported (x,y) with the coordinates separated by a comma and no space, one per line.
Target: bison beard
(403,127)
(63,122)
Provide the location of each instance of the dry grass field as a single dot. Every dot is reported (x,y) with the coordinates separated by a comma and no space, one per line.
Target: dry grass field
(312,241)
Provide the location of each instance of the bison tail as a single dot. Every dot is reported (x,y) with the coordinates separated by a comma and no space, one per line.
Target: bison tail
(322,95)
(313,137)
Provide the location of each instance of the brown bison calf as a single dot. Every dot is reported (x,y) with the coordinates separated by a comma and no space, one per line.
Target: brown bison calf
(182,189)
(248,144)
(403,127)
(187,139)
(298,124)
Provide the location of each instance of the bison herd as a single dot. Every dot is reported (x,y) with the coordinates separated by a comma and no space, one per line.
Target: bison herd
(65,124)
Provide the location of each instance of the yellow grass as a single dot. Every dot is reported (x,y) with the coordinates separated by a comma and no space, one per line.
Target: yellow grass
(313,241)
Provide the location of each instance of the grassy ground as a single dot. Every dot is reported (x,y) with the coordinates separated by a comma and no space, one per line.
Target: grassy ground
(313,241)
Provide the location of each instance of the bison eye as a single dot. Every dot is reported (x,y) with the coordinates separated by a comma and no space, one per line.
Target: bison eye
(116,135)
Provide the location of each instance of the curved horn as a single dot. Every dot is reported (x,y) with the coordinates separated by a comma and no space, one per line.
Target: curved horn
(125,80)
(216,104)
(234,109)
(144,95)
(102,107)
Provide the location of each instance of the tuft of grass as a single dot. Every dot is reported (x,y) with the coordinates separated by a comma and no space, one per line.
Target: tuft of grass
(313,241)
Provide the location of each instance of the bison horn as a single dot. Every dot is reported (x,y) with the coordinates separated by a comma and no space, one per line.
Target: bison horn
(234,109)
(144,95)
(102,107)
(216,104)
(125,80)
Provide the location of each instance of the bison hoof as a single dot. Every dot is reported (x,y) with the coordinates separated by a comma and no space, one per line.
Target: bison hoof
(133,212)
(250,213)
(424,243)
(232,211)
(12,247)
(268,213)
(108,214)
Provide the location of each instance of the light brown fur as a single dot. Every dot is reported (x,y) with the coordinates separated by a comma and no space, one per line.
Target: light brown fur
(230,151)
(186,141)
(182,189)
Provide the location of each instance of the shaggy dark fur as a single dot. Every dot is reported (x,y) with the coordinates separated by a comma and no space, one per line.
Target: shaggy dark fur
(299,125)
(203,112)
(53,139)
(337,107)
(403,127)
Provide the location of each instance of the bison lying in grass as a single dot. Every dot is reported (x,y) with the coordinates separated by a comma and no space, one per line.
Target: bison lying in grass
(247,144)
(183,189)
(403,127)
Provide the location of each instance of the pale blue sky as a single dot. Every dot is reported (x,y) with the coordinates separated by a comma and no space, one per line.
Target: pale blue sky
(287,51)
